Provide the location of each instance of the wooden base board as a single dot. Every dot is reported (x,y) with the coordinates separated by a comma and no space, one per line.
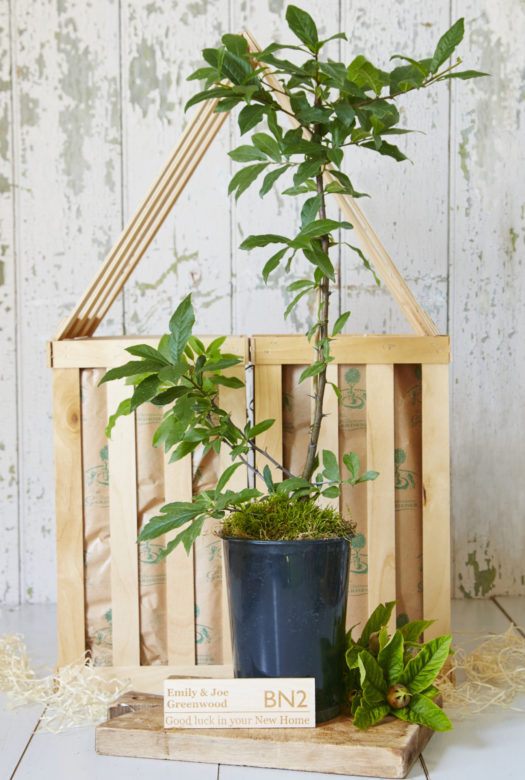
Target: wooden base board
(135,728)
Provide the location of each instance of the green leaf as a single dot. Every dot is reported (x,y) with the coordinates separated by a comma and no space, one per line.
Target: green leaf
(368,476)
(317,257)
(352,655)
(310,209)
(390,658)
(273,262)
(222,363)
(132,368)
(228,381)
(244,178)
(246,154)
(173,516)
(203,73)
(167,396)
(413,630)
(386,149)
(366,75)
(188,536)
(405,78)
(259,428)
(446,44)
(172,374)
(312,370)
(372,679)
(379,618)
(226,476)
(147,352)
(144,391)
(306,170)
(123,408)
(331,467)
(270,179)
(425,712)
(181,325)
(302,25)
(340,323)
(421,671)
(300,284)
(249,117)
(263,240)
(421,65)
(352,463)
(366,715)
(463,74)
(320,227)
(344,112)
(294,483)
(331,492)
(235,43)
(208,94)
(366,262)
(267,145)
(267,476)
(294,302)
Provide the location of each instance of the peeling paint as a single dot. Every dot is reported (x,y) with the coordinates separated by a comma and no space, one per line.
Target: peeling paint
(483,578)
(78,83)
(144,82)
(5,186)
(28,110)
(2,282)
(4,134)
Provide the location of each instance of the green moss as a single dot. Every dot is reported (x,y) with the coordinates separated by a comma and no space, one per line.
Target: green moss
(279,518)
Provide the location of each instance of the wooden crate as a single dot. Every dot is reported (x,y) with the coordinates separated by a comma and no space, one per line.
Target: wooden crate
(75,348)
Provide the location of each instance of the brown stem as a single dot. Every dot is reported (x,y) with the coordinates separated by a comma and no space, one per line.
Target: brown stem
(321,335)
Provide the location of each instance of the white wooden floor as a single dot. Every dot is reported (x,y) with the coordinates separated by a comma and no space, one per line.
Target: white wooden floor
(481,748)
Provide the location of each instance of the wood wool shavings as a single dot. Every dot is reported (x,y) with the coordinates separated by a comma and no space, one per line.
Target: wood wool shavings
(75,695)
(490,675)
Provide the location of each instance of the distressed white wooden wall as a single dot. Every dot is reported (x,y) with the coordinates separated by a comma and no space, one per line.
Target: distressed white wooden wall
(91,102)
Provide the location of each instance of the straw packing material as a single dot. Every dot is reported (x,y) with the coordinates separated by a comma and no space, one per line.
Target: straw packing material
(74,696)
(490,675)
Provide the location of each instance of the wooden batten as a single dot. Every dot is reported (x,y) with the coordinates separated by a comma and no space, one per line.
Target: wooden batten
(123,533)
(268,382)
(69,514)
(180,596)
(381,520)
(436,498)
(296,350)
(329,434)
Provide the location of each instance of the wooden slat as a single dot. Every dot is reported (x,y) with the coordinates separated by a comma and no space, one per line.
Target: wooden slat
(123,533)
(150,679)
(436,499)
(109,352)
(329,433)
(180,591)
(372,246)
(275,350)
(234,401)
(69,514)
(268,404)
(144,224)
(380,492)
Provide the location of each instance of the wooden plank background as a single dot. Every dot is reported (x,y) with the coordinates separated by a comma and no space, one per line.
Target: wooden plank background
(91,105)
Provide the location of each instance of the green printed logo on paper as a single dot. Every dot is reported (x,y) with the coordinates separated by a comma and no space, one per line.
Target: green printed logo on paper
(202,633)
(404,477)
(96,481)
(149,552)
(102,636)
(358,560)
(353,397)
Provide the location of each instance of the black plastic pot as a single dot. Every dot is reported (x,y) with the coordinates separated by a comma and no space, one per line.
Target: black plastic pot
(288,612)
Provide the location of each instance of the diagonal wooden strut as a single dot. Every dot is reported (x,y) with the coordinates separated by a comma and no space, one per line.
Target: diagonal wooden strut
(143,226)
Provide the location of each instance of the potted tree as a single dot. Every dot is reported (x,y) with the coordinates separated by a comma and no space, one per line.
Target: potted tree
(286,556)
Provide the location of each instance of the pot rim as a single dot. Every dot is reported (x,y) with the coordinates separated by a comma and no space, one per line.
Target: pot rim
(288,541)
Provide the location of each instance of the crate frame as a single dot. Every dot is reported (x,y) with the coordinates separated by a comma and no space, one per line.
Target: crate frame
(75,348)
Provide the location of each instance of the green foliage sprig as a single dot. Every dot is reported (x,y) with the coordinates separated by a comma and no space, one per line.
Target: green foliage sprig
(395,675)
